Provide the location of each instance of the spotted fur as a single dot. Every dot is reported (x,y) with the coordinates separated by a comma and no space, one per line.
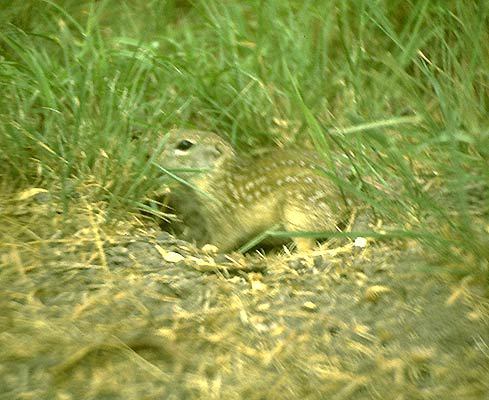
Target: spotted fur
(237,198)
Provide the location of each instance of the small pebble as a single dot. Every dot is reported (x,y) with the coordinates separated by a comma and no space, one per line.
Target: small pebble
(163,236)
(210,249)
(360,242)
(309,306)
(172,257)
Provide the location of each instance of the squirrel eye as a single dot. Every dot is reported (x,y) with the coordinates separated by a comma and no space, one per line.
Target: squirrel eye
(184,145)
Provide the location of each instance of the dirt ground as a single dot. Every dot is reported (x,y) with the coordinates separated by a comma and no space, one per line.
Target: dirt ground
(113,310)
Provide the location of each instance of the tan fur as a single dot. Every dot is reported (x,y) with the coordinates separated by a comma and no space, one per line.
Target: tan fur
(236,198)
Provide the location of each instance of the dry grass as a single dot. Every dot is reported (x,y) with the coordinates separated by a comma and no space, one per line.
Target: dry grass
(99,310)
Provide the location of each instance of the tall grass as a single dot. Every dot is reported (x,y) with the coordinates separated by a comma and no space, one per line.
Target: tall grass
(396,90)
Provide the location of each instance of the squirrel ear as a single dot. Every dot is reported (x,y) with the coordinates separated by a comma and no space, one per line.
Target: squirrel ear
(213,153)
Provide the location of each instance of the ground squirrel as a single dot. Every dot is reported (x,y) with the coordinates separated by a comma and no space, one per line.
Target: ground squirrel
(231,199)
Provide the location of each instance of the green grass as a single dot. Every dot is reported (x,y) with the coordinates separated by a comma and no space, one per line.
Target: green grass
(397,91)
